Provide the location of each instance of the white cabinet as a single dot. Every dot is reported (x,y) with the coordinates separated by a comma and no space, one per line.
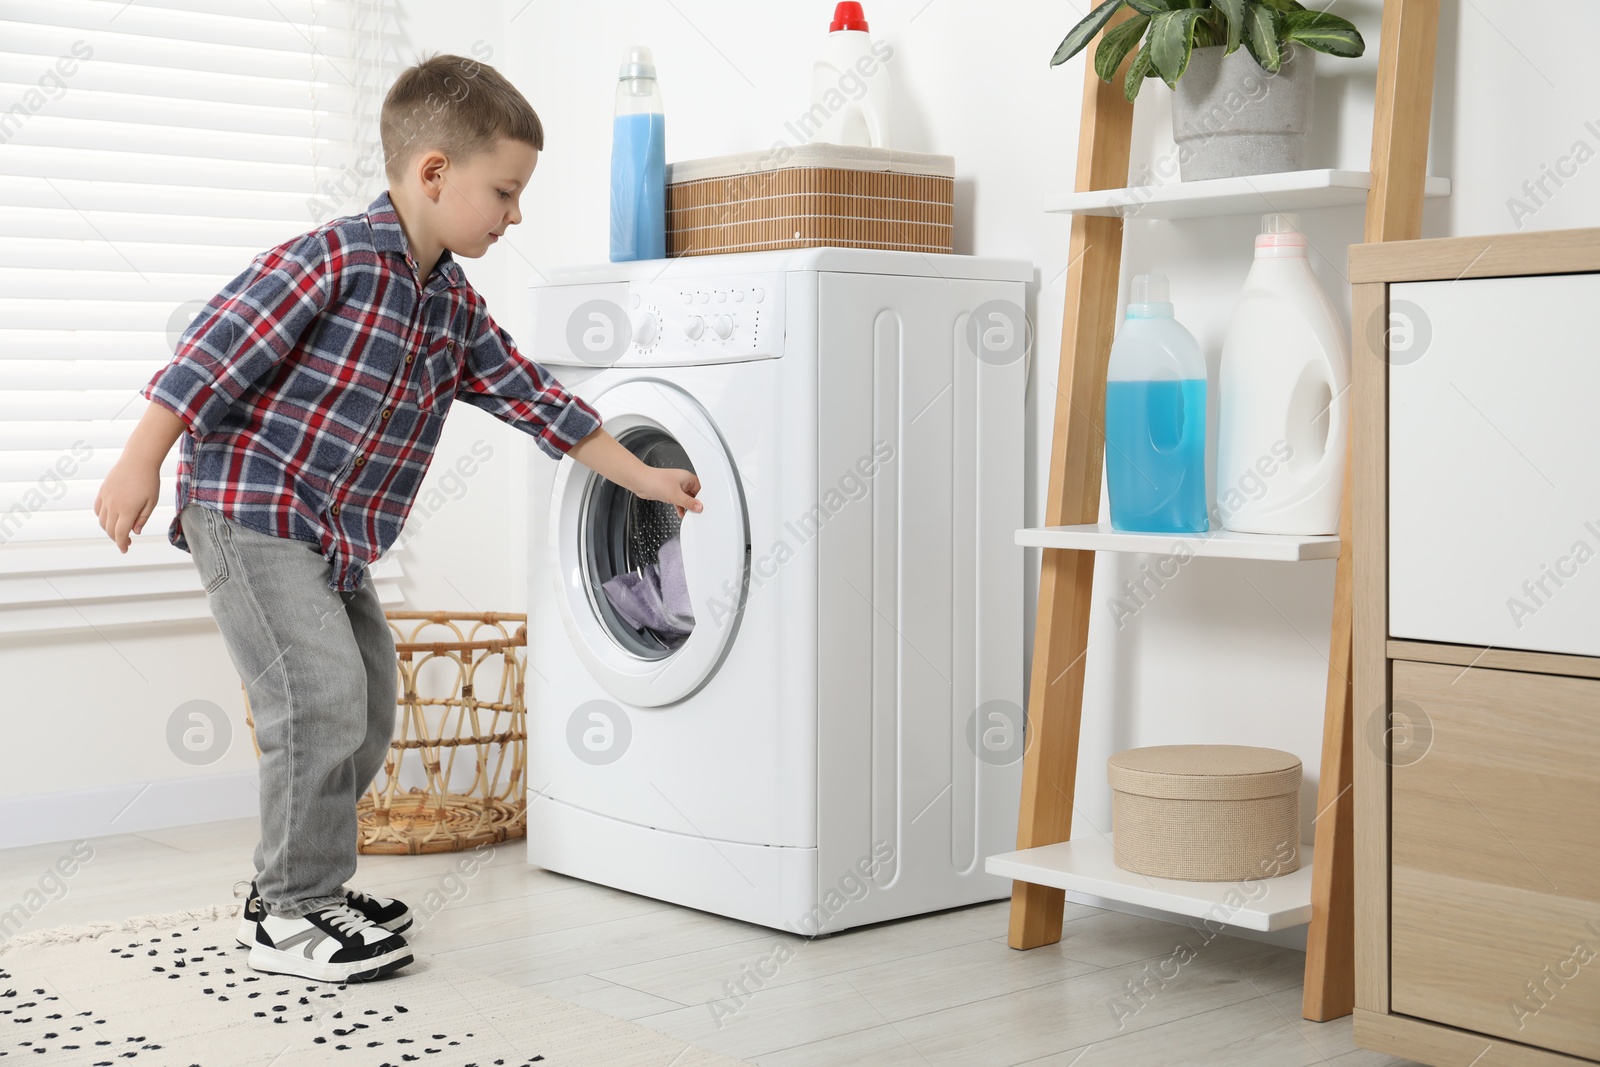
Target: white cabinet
(1494,462)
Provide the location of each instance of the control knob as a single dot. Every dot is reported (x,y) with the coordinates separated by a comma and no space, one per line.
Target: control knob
(647,330)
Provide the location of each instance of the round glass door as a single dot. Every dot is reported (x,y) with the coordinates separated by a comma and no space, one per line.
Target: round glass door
(650,600)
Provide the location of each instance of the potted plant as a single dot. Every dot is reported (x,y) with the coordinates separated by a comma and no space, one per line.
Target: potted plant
(1233,112)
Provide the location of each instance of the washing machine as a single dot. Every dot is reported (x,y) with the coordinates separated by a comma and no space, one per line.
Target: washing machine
(821,723)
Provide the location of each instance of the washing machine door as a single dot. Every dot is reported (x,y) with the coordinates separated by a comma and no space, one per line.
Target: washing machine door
(614,549)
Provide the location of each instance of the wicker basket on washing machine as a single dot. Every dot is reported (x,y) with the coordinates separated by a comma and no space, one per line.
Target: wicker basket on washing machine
(846,196)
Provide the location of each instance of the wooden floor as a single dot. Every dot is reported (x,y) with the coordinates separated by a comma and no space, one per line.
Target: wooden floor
(943,989)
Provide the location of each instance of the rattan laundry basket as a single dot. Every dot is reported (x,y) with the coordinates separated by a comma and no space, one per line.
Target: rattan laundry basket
(1205,813)
(475,713)
(808,195)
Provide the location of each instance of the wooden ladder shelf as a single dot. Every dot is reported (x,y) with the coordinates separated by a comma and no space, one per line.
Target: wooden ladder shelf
(1055,704)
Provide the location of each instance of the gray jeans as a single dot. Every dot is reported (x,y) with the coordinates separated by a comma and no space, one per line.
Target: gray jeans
(320,669)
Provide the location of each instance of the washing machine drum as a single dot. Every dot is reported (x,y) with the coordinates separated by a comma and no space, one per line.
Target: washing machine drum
(652,602)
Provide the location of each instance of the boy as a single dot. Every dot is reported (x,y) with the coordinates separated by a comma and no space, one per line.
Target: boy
(309,394)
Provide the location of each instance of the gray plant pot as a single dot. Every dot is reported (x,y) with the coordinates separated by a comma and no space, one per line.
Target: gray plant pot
(1230,117)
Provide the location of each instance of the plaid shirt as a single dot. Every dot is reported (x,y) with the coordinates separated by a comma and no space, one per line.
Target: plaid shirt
(313,388)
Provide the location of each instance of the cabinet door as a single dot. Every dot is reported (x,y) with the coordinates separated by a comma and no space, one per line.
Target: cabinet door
(1495,851)
(1494,496)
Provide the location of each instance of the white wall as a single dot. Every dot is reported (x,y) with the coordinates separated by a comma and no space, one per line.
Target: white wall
(1230,651)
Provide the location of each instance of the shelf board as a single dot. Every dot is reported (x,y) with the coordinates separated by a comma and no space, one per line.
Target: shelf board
(1085,866)
(1220,544)
(1292,190)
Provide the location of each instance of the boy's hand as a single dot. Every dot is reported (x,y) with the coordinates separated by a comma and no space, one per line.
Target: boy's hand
(671,485)
(127,497)
(606,456)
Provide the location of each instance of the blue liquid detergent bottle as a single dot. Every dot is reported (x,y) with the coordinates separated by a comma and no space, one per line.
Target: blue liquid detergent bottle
(638,162)
(1156,418)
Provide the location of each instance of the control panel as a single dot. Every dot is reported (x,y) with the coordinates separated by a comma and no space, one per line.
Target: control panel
(710,317)
(664,321)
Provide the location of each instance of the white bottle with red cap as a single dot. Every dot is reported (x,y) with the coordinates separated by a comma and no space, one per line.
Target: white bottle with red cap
(1283,404)
(850,84)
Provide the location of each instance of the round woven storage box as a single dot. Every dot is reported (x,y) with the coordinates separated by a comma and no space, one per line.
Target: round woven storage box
(1205,813)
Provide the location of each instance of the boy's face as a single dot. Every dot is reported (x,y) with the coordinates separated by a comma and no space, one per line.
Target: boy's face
(476,200)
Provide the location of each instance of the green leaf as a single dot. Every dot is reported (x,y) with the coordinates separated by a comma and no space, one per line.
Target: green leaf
(1324,32)
(1138,71)
(1116,44)
(1261,26)
(1156,7)
(1083,32)
(1233,13)
(1171,41)
(1283,6)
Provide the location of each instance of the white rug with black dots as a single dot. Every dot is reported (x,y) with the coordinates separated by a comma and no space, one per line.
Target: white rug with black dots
(175,991)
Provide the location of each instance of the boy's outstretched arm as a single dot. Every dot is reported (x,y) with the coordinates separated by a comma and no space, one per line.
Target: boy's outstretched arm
(499,379)
(606,456)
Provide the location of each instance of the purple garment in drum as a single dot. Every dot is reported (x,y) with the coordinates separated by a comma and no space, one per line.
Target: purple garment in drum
(658,599)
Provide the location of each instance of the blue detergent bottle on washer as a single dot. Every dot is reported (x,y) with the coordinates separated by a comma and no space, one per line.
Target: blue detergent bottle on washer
(1155,418)
(638,162)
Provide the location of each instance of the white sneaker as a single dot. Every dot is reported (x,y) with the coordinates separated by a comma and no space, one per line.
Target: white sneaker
(387,912)
(334,944)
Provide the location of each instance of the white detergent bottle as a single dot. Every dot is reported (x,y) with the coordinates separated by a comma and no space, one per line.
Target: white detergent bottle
(849,85)
(1283,400)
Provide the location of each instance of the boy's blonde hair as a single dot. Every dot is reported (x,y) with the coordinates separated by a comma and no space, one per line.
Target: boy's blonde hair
(456,105)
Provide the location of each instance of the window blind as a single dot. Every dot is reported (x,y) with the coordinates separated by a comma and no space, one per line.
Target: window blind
(148,151)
